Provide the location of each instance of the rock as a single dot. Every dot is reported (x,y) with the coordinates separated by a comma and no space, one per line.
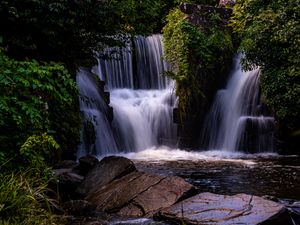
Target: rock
(227,3)
(115,195)
(255,130)
(79,208)
(139,194)
(161,195)
(66,164)
(67,176)
(107,170)
(73,220)
(68,182)
(86,163)
(208,208)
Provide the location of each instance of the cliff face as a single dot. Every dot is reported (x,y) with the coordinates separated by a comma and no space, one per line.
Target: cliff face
(209,61)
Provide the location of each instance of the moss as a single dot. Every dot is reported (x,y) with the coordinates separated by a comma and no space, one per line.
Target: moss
(195,54)
(200,58)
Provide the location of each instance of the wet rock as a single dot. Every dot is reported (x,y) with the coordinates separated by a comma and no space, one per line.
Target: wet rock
(73,220)
(113,196)
(66,164)
(86,163)
(79,207)
(138,194)
(208,208)
(156,197)
(68,176)
(107,170)
(68,182)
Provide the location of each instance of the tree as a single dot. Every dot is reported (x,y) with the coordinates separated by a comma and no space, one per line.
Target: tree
(69,31)
(31,95)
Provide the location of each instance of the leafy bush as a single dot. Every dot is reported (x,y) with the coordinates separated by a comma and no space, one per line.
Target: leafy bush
(37,152)
(35,98)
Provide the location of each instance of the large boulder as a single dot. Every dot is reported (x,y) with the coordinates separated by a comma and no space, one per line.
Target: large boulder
(208,208)
(107,170)
(138,194)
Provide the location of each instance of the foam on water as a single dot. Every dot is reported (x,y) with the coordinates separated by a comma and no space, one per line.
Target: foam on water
(164,153)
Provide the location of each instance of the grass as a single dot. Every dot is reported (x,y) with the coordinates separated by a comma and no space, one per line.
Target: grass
(22,199)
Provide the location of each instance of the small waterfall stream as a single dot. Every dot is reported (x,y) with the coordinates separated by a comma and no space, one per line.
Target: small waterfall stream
(238,120)
(142,99)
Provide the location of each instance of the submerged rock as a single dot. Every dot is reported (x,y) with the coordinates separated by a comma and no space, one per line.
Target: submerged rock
(208,208)
(108,169)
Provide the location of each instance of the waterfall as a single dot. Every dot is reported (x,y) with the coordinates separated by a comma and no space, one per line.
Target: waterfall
(141,97)
(139,65)
(238,120)
(96,136)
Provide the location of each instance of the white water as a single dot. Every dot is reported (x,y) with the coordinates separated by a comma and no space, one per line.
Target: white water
(143,118)
(236,120)
(143,101)
(164,153)
(94,110)
(140,67)
(141,97)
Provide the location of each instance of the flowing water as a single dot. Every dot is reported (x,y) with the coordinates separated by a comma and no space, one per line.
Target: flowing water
(238,119)
(141,97)
(221,172)
(142,128)
(94,111)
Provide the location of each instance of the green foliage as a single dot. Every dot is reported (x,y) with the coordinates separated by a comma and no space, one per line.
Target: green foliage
(176,44)
(196,54)
(39,150)
(21,197)
(270,34)
(69,31)
(204,2)
(30,96)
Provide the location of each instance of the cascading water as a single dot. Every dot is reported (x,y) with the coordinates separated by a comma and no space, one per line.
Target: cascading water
(238,119)
(95,116)
(139,65)
(142,99)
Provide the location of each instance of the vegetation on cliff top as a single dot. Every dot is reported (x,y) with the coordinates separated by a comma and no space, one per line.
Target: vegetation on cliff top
(197,54)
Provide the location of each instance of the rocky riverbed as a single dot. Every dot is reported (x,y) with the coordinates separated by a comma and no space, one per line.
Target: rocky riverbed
(117,190)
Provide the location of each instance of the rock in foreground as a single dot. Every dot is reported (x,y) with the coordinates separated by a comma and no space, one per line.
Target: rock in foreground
(208,208)
(108,169)
(138,194)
